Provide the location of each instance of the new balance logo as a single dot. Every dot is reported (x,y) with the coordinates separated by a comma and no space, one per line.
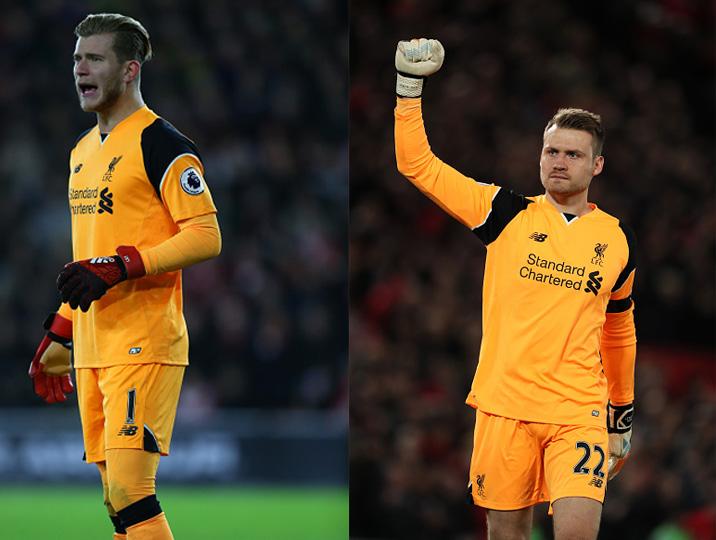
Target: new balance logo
(105,202)
(538,237)
(596,482)
(128,431)
(594,283)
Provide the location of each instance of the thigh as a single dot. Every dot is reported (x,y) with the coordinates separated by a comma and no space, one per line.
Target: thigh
(576,518)
(506,470)
(575,462)
(140,405)
(131,476)
(509,524)
(90,403)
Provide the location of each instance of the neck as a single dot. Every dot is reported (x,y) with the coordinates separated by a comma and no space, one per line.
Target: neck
(573,203)
(128,103)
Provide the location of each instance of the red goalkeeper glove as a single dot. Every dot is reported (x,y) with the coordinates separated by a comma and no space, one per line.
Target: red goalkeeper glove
(50,367)
(83,282)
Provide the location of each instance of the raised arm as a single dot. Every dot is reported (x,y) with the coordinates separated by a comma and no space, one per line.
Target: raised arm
(468,201)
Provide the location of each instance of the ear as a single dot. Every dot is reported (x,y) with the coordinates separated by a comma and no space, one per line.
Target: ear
(598,165)
(131,71)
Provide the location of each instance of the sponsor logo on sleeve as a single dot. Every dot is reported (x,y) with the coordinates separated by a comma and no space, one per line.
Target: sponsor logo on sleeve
(191,181)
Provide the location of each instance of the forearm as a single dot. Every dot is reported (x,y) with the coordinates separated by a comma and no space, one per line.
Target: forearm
(619,356)
(198,239)
(454,192)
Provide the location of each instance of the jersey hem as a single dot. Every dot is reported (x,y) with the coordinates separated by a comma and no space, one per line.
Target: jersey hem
(93,365)
(475,405)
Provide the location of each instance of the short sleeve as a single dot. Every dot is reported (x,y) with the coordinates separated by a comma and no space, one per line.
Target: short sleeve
(174,168)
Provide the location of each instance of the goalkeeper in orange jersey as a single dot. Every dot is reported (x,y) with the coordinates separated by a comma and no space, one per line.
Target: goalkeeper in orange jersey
(140,212)
(554,386)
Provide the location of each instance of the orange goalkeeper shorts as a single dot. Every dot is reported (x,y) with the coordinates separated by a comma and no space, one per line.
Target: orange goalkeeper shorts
(128,406)
(518,464)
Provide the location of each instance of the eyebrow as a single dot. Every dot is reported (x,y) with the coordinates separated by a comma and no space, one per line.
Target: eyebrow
(573,150)
(77,56)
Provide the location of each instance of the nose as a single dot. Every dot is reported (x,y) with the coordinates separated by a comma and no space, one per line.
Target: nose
(559,163)
(81,67)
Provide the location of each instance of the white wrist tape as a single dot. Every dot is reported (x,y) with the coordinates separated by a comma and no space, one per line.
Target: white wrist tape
(409,87)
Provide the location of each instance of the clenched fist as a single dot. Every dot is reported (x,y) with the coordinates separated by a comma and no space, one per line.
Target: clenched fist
(415,60)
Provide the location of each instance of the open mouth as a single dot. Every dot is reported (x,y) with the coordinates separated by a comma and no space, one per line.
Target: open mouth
(87,90)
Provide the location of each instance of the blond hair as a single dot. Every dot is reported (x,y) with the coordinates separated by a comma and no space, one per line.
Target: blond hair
(131,39)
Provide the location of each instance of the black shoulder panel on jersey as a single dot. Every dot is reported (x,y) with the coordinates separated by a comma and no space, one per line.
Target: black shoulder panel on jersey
(631,261)
(505,206)
(619,306)
(82,136)
(161,144)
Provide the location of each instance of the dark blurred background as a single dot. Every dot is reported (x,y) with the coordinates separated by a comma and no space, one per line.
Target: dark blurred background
(261,87)
(263,94)
(416,275)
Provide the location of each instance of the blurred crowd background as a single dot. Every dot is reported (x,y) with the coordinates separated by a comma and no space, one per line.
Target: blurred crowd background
(261,87)
(416,275)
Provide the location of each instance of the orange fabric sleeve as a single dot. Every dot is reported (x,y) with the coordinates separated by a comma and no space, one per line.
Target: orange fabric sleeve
(619,355)
(460,196)
(198,239)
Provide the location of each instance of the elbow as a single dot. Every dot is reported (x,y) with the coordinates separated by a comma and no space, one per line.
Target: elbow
(212,239)
(216,246)
(212,244)
(404,167)
(404,170)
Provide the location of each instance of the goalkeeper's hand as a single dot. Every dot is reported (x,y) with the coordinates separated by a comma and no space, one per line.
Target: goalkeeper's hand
(83,282)
(619,420)
(50,367)
(415,60)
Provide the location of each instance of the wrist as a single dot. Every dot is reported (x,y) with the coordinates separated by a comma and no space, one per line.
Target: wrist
(58,328)
(131,260)
(409,86)
(619,417)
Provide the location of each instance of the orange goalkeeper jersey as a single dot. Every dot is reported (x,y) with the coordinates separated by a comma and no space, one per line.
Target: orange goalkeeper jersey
(131,187)
(549,281)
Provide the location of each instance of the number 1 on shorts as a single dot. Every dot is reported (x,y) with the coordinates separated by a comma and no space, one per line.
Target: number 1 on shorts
(131,400)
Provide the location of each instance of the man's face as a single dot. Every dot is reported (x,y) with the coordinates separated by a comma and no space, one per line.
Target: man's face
(98,73)
(566,165)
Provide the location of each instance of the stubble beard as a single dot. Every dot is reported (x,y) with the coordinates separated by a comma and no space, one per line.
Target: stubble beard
(111,93)
(564,188)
